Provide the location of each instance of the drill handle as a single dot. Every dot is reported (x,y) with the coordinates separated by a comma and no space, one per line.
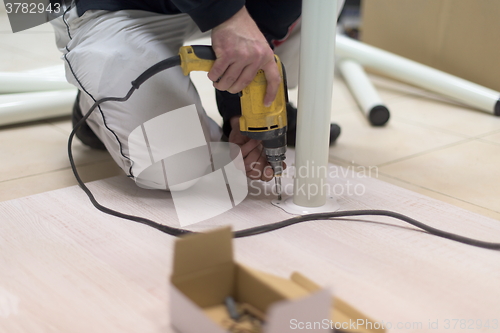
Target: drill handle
(196,58)
(205,52)
(190,58)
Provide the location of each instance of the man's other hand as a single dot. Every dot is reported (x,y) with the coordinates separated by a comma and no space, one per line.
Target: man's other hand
(256,165)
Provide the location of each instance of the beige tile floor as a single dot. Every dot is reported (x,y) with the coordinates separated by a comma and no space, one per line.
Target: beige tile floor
(431,145)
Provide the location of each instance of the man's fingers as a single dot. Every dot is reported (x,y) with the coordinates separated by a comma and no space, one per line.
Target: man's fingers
(259,169)
(230,76)
(273,82)
(267,173)
(234,72)
(218,69)
(249,147)
(264,172)
(246,77)
(252,157)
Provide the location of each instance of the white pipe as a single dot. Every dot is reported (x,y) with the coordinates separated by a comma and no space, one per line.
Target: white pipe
(364,92)
(50,70)
(16,108)
(27,82)
(412,72)
(317,59)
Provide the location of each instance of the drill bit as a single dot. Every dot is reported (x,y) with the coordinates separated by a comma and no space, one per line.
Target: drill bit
(277,180)
(275,157)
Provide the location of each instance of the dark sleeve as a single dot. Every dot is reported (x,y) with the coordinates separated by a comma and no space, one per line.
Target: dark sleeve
(208,14)
(274,17)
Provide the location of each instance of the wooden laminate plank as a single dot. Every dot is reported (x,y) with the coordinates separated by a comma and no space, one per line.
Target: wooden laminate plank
(66,267)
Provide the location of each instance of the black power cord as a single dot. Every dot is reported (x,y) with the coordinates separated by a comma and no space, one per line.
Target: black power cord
(175,61)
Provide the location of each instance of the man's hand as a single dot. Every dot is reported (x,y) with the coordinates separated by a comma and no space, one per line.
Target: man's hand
(241,51)
(255,161)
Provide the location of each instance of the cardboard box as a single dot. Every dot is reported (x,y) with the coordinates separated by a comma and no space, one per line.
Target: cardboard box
(205,274)
(459,37)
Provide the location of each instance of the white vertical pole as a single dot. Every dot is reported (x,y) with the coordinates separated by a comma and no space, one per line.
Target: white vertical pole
(317,59)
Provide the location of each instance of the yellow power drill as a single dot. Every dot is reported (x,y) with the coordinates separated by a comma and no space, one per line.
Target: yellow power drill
(257,121)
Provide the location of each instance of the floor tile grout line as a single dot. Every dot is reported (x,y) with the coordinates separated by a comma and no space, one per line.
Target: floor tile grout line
(481,136)
(396,98)
(333,160)
(59,129)
(466,140)
(413,122)
(56,170)
(399,96)
(488,141)
(437,192)
(432,127)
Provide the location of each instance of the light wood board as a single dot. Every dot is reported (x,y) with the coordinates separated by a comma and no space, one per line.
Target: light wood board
(66,267)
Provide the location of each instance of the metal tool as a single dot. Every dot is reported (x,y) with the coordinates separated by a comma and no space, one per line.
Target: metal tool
(231,308)
(268,124)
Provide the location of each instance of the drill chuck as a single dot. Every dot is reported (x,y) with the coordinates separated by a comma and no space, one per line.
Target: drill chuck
(275,157)
(275,150)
